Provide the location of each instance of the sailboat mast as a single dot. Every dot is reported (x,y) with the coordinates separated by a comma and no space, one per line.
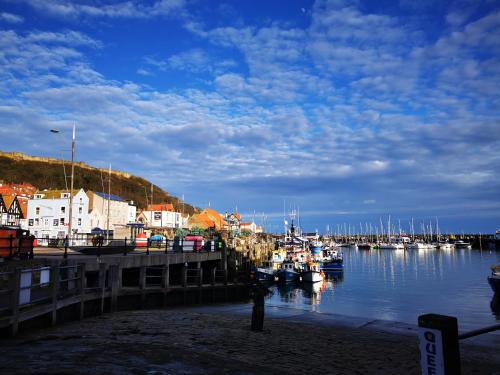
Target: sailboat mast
(109,200)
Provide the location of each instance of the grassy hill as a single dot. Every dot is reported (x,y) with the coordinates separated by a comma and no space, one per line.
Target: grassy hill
(48,173)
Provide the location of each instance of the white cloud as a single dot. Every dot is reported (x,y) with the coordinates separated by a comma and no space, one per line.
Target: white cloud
(110,9)
(11,18)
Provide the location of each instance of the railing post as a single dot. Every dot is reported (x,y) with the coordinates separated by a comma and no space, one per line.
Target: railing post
(147,246)
(166,245)
(98,253)
(82,285)
(438,341)
(55,293)
(66,248)
(125,248)
(15,290)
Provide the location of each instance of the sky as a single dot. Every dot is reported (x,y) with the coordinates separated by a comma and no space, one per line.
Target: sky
(349,111)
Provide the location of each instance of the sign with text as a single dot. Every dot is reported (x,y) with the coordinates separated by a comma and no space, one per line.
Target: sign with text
(431,351)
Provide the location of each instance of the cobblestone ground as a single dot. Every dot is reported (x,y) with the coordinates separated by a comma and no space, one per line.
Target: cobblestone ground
(181,341)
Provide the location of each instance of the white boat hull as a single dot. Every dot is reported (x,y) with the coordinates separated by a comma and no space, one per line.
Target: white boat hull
(312,276)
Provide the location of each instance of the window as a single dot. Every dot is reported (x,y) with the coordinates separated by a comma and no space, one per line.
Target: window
(37,222)
(37,211)
(56,222)
(65,195)
(61,221)
(79,221)
(63,209)
(46,222)
(30,222)
(79,210)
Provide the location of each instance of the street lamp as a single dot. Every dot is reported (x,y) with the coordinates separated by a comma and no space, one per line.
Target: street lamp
(70,221)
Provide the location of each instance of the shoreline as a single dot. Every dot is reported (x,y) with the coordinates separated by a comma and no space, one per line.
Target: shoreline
(217,339)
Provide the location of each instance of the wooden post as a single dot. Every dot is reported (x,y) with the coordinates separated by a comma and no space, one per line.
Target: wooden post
(102,285)
(55,292)
(82,286)
(15,290)
(114,281)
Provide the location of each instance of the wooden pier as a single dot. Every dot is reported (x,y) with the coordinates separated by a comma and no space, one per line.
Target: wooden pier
(55,289)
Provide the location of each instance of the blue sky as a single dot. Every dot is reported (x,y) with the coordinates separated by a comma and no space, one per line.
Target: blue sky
(349,110)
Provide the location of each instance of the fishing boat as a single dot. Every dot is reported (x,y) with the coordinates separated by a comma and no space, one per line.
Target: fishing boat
(494,278)
(311,272)
(288,272)
(332,262)
(265,272)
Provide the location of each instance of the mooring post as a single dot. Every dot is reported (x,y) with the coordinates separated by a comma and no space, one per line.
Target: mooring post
(82,285)
(114,281)
(438,342)
(102,285)
(55,292)
(15,290)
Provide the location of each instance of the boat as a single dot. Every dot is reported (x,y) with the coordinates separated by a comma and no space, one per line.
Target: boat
(417,246)
(288,272)
(391,246)
(462,245)
(311,272)
(265,272)
(494,278)
(332,262)
(112,247)
(364,246)
(445,246)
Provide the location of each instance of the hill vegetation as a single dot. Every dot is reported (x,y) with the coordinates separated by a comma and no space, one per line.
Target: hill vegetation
(48,173)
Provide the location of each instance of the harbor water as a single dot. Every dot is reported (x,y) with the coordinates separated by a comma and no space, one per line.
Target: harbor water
(400,285)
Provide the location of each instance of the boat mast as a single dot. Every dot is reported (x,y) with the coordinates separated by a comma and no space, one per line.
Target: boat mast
(109,199)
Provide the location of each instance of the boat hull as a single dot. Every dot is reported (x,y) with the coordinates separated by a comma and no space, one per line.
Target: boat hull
(287,276)
(332,266)
(494,282)
(264,275)
(312,276)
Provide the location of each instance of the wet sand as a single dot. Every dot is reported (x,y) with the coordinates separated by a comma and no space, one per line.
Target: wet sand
(218,340)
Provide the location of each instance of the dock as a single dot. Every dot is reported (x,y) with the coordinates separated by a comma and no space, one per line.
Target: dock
(53,288)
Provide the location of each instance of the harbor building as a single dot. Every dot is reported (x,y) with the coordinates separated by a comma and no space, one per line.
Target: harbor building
(121,214)
(162,216)
(11,210)
(48,214)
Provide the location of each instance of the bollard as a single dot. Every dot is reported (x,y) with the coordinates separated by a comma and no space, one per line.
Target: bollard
(438,342)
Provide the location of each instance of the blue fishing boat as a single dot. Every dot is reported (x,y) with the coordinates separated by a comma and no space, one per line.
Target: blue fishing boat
(265,272)
(332,261)
(288,272)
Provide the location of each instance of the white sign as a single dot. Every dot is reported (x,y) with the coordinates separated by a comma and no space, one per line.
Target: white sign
(431,351)
(25,287)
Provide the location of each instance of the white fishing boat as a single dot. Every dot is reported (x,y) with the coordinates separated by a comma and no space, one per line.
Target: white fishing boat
(311,272)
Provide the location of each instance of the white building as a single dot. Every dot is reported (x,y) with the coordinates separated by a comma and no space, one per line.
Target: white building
(121,212)
(48,214)
(162,216)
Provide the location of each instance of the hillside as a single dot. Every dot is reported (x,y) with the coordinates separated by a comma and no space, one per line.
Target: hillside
(48,173)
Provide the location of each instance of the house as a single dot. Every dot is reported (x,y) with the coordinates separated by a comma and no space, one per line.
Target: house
(206,219)
(233,222)
(48,214)
(250,227)
(11,212)
(121,213)
(162,216)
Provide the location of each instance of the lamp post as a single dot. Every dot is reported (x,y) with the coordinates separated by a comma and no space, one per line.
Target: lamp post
(70,221)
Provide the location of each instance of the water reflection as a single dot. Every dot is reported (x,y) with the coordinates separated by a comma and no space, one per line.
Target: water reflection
(402,284)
